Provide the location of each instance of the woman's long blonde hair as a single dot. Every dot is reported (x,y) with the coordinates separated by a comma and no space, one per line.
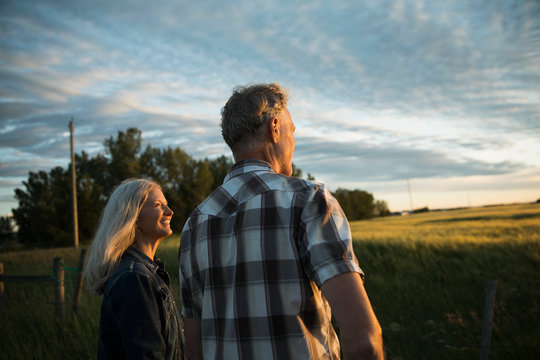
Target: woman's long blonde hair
(116,231)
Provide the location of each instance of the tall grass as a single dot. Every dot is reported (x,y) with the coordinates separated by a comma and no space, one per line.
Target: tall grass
(426,275)
(27,326)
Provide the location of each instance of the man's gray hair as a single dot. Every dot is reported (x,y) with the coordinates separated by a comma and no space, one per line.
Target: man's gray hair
(248,108)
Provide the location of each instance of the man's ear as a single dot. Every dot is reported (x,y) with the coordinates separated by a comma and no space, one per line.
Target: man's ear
(273,129)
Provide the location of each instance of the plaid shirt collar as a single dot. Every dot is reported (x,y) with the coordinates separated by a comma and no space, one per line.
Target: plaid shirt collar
(246,166)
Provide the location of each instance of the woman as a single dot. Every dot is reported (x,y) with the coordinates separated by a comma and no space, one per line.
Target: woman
(139,318)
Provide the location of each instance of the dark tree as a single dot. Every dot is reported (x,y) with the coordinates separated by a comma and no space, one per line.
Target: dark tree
(356,204)
(7,231)
(219,168)
(296,172)
(124,151)
(380,208)
(44,213)
(93,189)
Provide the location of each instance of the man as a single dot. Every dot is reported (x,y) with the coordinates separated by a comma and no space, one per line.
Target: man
(263,257)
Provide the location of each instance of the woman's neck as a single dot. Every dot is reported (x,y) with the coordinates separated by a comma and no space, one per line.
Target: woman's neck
(147,247)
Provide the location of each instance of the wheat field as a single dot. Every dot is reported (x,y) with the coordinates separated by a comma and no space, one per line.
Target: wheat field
(427,276)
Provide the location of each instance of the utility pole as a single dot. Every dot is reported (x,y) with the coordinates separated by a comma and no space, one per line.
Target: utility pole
(74,191)
(410,195)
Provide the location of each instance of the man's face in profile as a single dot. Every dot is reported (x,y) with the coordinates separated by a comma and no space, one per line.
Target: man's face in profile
(286,142)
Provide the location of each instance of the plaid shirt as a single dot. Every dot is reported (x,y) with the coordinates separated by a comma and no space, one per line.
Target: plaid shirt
(253,257)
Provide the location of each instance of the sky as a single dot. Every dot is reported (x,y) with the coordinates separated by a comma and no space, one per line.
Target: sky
(421,103)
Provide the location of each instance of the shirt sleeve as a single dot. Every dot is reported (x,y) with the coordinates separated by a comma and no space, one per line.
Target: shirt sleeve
(326,243)
(136,310)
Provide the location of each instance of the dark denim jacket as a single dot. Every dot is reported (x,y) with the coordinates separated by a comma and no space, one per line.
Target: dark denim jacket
(139,318)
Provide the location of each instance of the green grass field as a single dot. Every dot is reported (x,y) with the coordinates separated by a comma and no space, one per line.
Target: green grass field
(426,275)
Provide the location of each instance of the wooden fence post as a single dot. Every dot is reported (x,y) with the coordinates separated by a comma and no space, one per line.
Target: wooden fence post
(78,285)
(59,292)
(488,317)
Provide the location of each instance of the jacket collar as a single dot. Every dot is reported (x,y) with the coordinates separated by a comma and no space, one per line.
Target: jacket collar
(139,256)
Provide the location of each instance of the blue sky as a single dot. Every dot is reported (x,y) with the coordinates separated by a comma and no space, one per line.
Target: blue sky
(444,94)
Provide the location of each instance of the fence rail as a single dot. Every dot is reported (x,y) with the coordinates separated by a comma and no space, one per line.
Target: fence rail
(57,278)
(24,278)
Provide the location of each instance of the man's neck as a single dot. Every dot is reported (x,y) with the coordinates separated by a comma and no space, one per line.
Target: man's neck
(262,152)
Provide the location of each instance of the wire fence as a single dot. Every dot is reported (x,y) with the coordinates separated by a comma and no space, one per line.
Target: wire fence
(57,278)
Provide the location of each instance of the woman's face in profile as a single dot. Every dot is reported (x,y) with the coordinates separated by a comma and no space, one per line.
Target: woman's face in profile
(155,216)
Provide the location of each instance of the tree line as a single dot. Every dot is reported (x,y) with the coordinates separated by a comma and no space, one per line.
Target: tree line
(44,214)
